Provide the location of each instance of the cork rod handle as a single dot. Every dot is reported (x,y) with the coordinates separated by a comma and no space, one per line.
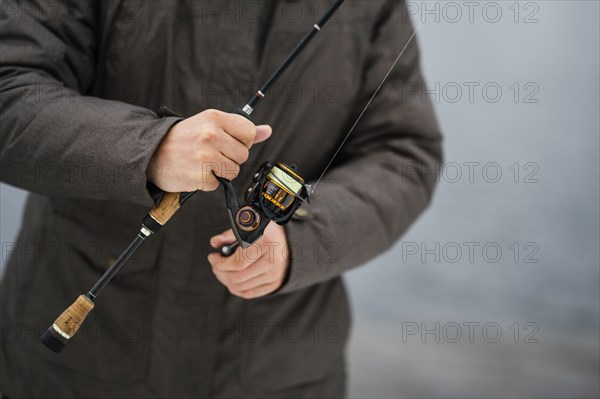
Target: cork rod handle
(169,204)
(67,324)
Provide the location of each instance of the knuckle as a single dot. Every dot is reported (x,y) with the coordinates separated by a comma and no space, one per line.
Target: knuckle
(231,170)
(250,132)
(246,134)
(244,155)
(208,135)
(212,113)
(201,156)
(234,167)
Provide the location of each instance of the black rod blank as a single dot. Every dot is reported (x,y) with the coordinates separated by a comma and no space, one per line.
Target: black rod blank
(114,269)
(291,57)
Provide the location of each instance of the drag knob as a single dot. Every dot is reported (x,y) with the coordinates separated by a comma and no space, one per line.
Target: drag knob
(247,218)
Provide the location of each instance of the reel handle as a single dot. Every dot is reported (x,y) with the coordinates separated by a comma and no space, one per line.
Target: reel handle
(228,250)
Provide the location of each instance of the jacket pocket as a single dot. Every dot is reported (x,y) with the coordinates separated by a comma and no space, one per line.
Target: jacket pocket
(294,340)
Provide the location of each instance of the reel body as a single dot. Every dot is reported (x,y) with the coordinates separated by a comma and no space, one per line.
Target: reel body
(276,192)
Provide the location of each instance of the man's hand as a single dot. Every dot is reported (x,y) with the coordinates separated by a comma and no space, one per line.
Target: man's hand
(255,271)
(211,141)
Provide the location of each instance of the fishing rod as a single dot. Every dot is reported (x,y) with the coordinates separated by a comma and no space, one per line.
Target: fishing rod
(276,192)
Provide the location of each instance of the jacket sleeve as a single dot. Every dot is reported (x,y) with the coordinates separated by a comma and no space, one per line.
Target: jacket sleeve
(385,173)
(54,140)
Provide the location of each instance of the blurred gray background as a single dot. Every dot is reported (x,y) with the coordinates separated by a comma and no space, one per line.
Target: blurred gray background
(494,292)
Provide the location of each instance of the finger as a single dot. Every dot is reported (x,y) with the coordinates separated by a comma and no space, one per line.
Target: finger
(239,127)
(257,292)
(225,167)
(261,279)
(263,132)
(254,270)
(225,238)
(235,263)
(205,171)
(234,125)
(207,182)
(233,149)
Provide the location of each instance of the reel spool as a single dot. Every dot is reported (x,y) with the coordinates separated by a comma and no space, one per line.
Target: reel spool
(276,192)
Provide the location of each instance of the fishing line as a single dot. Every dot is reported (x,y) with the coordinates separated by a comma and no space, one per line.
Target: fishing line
(365,109)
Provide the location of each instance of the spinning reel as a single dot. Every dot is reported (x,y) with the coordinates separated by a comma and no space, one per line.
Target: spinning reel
(276,192)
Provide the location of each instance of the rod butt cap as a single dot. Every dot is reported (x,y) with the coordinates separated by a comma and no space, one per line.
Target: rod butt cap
(52,341)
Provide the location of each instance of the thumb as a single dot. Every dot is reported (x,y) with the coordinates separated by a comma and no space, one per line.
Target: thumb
(222,239)
(263,132)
